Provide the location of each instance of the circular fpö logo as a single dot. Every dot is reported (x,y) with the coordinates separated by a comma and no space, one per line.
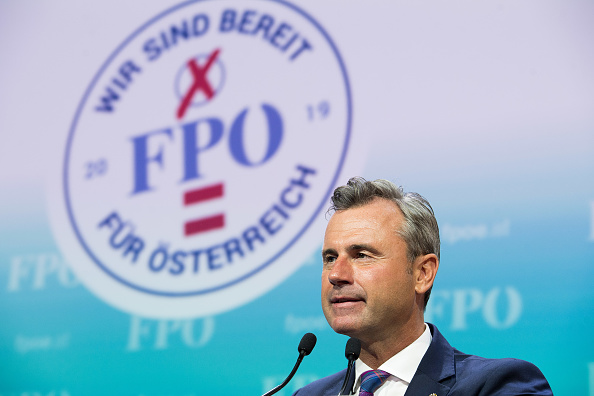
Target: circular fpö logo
(203,150)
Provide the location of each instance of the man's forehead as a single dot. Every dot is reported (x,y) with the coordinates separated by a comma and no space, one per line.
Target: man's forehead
(364,224)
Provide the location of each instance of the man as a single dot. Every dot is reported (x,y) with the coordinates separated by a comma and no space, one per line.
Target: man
(380,258)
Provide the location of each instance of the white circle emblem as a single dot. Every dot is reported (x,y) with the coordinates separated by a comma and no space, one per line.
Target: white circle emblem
(202,153)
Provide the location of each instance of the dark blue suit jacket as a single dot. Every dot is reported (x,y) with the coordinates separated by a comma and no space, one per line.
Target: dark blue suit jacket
(447,371)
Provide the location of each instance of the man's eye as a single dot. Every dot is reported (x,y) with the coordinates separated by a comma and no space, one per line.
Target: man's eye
(362,255)
(329,259)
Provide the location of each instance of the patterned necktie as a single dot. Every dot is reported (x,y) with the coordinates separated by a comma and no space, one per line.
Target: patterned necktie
(371,380)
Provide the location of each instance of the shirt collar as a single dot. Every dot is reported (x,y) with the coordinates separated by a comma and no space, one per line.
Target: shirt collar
(404,364)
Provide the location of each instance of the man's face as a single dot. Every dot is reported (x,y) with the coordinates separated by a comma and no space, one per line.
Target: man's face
(368,290)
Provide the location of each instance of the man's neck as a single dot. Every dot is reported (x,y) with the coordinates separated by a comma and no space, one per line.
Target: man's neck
(377,352)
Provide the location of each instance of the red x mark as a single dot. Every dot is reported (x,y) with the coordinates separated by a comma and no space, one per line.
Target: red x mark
(200,82)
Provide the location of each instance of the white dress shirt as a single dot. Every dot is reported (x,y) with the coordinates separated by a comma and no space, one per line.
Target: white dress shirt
(401,366)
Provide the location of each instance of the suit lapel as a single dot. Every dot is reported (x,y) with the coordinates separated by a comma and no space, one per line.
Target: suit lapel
(423,385)
(436,373)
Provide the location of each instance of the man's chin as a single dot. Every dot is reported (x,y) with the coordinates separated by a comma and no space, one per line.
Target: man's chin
(345,327)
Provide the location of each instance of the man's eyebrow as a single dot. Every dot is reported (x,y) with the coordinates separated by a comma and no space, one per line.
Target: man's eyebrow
(363,246)
(328,251)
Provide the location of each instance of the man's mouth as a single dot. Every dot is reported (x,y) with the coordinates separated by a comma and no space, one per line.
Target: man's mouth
(345,299)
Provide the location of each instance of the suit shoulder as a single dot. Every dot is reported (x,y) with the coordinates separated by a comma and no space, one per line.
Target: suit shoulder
(322,385)
(480,363)
(500,376)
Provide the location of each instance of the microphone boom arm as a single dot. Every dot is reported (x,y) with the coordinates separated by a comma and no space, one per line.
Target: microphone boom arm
(308,341)
(286,381)
(351,352)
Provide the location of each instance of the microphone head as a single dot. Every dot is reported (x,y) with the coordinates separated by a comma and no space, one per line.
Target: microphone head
(307,344)
(353,349)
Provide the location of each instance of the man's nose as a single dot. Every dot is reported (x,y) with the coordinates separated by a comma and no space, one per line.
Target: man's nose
(341,273)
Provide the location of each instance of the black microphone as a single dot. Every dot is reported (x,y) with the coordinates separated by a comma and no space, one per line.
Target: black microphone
(351,352)
(307,344)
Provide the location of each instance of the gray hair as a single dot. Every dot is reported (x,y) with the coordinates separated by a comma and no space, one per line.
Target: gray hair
(419,231)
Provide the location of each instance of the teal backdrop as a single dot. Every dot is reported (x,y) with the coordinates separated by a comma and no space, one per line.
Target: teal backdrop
(485,108)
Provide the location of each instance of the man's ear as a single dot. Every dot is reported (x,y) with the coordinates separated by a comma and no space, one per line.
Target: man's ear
(424,270)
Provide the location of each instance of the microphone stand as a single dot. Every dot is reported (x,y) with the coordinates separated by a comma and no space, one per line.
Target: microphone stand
(286,381)
(308,341)
(352,351)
